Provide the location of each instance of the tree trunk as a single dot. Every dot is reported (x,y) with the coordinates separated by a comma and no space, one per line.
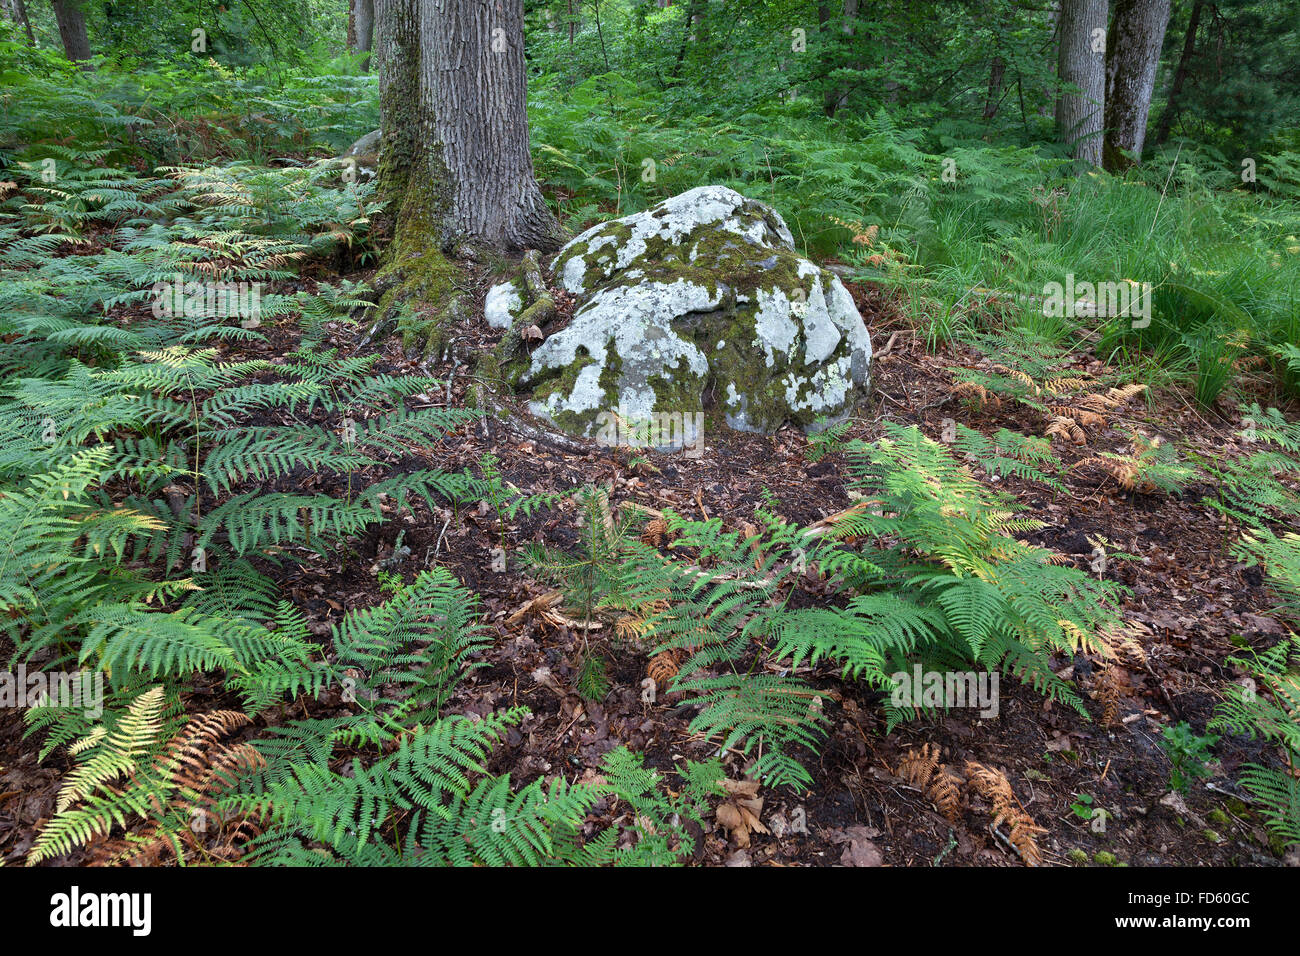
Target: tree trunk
(454,155)
(835,99)
(361,26)
(474,85)
(1132,58)
(402,121)
(1180,75)
(1053,48)
(997,74)
(1081,63)
(16,10)
(72,29)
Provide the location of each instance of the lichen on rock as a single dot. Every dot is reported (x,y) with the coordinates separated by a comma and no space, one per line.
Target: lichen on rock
(502,304)
(699,299)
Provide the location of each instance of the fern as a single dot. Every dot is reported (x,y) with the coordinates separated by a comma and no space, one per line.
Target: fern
(1269,708)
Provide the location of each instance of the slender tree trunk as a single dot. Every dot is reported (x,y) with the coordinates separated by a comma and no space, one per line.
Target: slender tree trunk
(835,99)
(1180,75)
(1050,97)
(16,11)
(72,29)
(997,73)
(361,26)
(1081,62)
(692,12)
(1132,59)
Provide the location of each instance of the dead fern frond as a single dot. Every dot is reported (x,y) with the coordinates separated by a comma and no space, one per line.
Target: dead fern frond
(917,766)
(1126,393)
(1019,376)
(1123,642)
(655,532)
(1098,403)
(1066,428)
(632,627)
(944,789)
(1080,415)
(1024,833)
(976,393)
(663,667)
(1107,693)
(1059,386)
(993,785)
(1125,472)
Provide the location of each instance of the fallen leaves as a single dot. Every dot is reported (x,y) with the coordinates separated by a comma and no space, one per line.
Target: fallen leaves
(860,850)
(740,814)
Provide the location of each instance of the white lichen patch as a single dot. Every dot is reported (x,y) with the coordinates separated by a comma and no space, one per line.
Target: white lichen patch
(502,305)
(633,326)
(774,325)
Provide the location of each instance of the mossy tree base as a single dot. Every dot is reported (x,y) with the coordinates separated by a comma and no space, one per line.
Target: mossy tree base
(422,290)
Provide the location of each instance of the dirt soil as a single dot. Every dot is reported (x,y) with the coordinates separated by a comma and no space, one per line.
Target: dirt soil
(1188,590)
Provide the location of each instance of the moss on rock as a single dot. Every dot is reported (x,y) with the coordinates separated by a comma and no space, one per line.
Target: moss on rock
(702,296)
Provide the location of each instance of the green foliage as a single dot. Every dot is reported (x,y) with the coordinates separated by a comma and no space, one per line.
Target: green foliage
(659,814)
(599,577)
(126,770)
(410,652)
(1187,752)
(1250,488)
(1267,706)
(1007,453)
(1153,466)
(947,581)
(1279,556)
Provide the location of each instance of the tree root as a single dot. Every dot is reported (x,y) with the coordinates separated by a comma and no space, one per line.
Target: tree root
(541,310)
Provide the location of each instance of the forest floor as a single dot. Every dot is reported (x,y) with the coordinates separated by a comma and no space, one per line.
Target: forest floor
(1189,592)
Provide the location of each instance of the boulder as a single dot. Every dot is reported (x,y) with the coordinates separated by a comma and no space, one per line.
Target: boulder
(363,156)
(699,303)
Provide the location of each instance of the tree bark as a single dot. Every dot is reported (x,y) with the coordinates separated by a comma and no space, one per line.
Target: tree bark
(1180,75)
(1132,59)
(1053,47)
(474,84)
(1079,116)
(361,27)
(72,29)
(403,124)
(997,75)
(454,151)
